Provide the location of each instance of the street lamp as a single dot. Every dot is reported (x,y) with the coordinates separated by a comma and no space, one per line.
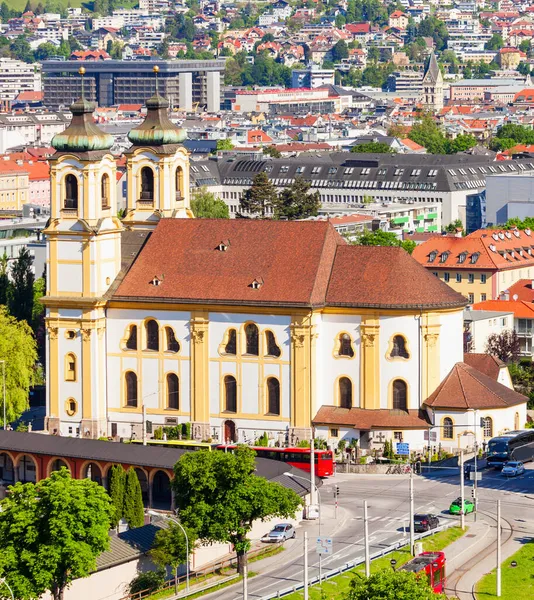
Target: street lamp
(4,582)
(175,520)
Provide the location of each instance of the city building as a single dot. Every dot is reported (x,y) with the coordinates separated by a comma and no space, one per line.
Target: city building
(480,324)
(14,186)
(16,77)
(432,98)
(312,77)
(483,264)
(508,195)
(111,82)
(290,101)
(474,90)
(24,129)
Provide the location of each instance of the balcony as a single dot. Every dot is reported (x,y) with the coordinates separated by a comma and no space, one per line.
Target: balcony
(70,204)
(146,199)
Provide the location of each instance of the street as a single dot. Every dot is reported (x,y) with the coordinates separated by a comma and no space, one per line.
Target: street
(388,506)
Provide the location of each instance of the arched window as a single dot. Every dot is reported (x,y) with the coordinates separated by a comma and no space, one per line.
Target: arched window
(172,342)
(345,345)
(230,394)
(345,392)
(447,429)
(272,347)
(104,191)
(173,392)
(516,421)
(252,336)
(399,348)
(71,407)
(179,183)
(152,335)
(488,426)
(70,367)
(400,395)
(273,396)
(131,389)
(71,192)
(231,343)
(147,184)
(131,342)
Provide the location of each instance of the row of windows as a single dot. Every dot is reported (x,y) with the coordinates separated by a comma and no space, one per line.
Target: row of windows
(471,277)
(398,347)
(172,390)
(448,428)
(152,337)
(399,390)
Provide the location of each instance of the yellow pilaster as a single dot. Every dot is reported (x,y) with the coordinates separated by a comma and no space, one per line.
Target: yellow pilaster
(370,363)
(53,370)
(431,376)
(199,367)
(87,397)
(301,371)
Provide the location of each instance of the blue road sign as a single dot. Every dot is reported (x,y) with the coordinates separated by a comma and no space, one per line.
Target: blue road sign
(403,449)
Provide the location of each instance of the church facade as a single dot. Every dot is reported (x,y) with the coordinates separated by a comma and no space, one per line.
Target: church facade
(238,327)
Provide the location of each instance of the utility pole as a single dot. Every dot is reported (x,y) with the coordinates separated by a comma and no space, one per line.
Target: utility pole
(412,530)
(313,497)
(498,594)
(462,496)
(245,582)
(306,565)
(366,538)
(144,424)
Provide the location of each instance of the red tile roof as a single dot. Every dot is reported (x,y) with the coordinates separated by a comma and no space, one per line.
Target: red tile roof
(365,419)
(465,388)
(523,289)
(485,363)
(303,263)
(521,309)
(30,97)
(10,166)
(38,170)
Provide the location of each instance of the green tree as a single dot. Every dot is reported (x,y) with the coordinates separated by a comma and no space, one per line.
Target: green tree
(51,533)
(4,280)
(340,21)
(391,585)
(225,144)
(383,238)
(219,496)
(495,42)
(376,147)
(133,512)
(260,197)
(297,202)
(460,143)
(21,292)
(170,548)
(373,54)
(452,227)
(524,46)
(19,350)
(272,151)
(428,134)
(21,49)
(116,480)
(434,28)
(205,205)
(340,51)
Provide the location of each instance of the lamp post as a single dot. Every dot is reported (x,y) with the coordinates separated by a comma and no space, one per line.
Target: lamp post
(4,582)
(176,522)
(4,391)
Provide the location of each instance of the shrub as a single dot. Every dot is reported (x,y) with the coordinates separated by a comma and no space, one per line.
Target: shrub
(151,581)
(263,440)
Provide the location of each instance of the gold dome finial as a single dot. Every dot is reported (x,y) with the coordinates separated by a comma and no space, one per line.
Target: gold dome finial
(81,70)
(155,68)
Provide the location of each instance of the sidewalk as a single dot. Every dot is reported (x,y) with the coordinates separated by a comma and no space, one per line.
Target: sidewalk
(463,558)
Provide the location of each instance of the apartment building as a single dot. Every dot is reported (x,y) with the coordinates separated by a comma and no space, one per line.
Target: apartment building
(15,77)
(14,185)
(29,129)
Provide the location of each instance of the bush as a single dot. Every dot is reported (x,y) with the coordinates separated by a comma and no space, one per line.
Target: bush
(341,445)
(151,581)
(363,460)
(263,440)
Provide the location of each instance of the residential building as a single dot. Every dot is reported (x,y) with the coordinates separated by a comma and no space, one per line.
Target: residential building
(111,82)
(16,77)
(509,195)
(29,129)
(288,101)
(473,90)
(480,324)
(483,264)
(312,77)
(14,186)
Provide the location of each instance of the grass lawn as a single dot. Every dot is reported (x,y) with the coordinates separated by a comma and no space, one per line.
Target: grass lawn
(21,4)
(516,583)
(334,588)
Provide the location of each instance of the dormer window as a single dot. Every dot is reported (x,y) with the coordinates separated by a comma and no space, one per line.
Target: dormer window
(432,256)
(516,233)
(156,281)
(444,256)
(474,257)
(462,257)
(257,283)
(527,231)
(495,237)
(501,235)
(223,246)
(508,235)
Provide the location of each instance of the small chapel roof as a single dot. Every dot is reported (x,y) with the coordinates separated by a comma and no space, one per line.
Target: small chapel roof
(365,419)
(300,263)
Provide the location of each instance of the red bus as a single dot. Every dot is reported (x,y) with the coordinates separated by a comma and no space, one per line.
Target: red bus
(296,457)
(431,563)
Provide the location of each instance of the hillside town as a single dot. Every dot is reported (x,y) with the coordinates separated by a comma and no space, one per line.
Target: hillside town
(266,299)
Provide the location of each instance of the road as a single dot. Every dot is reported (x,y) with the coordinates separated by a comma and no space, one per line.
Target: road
(388,506)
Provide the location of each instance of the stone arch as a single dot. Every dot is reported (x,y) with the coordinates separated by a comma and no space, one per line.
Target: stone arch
(143,482)
(55,464)
(26,469)
(7,468)
(93,471)
(161,490)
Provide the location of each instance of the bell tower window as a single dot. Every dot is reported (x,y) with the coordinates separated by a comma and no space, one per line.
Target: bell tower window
(147,185)
(71,192)
(179,183)
(104,190)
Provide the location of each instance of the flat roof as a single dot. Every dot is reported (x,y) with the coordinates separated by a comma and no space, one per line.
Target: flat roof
(481,315)
(132,67)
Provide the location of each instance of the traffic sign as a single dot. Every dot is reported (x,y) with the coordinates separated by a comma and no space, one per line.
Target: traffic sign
(403,449)
(324,545)
(475,475)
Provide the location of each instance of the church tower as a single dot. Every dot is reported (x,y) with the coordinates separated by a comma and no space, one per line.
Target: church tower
(83,259)
(432,97)
(157,168)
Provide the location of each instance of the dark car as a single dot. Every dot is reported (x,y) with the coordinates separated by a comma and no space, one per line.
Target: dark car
(423,523)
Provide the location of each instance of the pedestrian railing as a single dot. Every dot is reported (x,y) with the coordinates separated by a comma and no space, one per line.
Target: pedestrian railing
(351,565)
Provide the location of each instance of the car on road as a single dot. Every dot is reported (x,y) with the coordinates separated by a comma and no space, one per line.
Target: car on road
(513,468)
(425,522)
(455,507)
(280,533)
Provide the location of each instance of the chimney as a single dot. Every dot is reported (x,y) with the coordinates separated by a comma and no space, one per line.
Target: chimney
(505,295)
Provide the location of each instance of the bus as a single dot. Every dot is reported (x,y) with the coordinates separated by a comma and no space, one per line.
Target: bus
(181,444)
(296,457)
(433,565)
(512,445)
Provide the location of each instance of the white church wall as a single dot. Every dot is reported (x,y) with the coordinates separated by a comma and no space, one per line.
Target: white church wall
(451,343)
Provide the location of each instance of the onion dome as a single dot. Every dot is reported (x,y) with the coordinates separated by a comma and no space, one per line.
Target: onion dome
(82,135)
(157,129)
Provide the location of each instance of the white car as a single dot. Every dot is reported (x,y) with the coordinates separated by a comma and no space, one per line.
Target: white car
(513,468)
(280,533)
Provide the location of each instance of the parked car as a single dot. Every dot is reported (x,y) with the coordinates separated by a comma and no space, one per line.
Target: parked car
(455,508)
(425,522)
(513,468)
(280,533)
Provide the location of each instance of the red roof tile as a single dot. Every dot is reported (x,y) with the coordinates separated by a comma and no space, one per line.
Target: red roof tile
(523,289)
(521,309)
(365,419)
(465,388)
(485,363)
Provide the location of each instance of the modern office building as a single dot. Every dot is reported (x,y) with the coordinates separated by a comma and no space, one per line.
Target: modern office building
(509,195)
(312,77)
(111,82)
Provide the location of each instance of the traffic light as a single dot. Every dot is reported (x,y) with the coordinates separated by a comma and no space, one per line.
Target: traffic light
(336,491)
(473,493)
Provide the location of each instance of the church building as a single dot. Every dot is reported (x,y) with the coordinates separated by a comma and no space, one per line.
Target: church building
(238,327)
(432,97)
